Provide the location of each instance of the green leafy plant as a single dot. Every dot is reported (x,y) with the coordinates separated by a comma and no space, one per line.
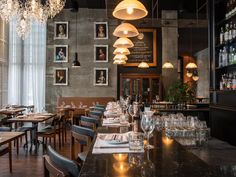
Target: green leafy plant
(180,92)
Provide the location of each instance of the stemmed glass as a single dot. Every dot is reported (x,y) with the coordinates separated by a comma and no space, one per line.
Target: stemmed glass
(131,112)
(148,125)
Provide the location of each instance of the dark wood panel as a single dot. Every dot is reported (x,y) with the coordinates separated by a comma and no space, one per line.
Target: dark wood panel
(223,124)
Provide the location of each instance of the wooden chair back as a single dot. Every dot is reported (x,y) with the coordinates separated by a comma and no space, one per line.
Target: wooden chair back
(51,169)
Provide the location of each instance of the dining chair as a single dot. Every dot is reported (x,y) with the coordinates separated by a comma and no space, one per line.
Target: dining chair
(51,131)
(100,106)
(6,149)
(99,109)
(84,137)
(89,122)
(58,165)
(95,114)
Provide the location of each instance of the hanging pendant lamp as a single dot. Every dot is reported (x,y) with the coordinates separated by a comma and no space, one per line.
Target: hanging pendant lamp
(123,42)
(189,74)
(126,30)
(191,65)
(123,51)
(167,65)
(130,10)
(76,63)
(143,65)
(119,62)
(120,57)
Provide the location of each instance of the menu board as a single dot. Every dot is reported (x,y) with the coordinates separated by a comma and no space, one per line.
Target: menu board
(144,48)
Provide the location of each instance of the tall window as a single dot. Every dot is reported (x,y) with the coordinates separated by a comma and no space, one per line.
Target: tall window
(27,66)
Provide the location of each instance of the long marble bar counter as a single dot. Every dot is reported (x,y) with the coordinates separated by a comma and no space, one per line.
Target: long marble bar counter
(168,159)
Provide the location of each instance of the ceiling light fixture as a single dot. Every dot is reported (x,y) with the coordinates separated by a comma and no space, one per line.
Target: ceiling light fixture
(123,42)
(126,30)
(120,57)
(29,10)
(76,63)
(123,51)
(119,62)
(143,65)
(191,65)
(130,10)
(167,65)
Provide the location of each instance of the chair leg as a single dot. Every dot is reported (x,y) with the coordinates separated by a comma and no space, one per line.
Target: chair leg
(59,138)
(17,146)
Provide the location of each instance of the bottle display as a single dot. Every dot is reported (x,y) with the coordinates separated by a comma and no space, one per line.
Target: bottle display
(226,49)
(228,81)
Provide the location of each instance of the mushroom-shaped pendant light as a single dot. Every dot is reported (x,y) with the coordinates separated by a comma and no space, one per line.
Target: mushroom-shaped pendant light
(143,65)
(126,30)
(167,65)
(120,57)
(123,51)
(191,65)
(123,42)
(119,62)
(130,10)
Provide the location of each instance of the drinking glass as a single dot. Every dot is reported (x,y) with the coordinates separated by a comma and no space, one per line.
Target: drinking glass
(136,141)
(148,125)
(131,112)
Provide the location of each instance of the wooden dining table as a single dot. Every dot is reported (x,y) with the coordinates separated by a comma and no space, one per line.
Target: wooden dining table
(7,138)
(11,111)
(35,119)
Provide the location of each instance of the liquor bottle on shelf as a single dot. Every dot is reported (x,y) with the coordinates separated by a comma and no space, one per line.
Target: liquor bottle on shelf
(224,57)
(234,28)
(222,35)
(231,55)
(234,82)
(230,35)
(226,33)
(234,59)
(220,59)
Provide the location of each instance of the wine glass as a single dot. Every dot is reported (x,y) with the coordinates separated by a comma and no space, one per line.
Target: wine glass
(148,125)
(131,112)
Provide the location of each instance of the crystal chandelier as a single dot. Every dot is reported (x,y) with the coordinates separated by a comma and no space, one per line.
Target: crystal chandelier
(26,11)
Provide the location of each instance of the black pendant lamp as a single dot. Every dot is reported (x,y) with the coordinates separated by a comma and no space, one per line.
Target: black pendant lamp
(76,63)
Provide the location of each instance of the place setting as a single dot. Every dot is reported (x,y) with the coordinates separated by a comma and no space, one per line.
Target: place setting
(129,142)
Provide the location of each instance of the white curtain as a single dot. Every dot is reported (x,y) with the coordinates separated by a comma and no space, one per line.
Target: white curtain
(27,66)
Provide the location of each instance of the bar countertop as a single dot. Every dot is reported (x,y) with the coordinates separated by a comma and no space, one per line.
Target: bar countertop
(168,159)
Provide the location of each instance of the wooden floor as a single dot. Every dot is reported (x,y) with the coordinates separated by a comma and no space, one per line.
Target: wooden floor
(28,164)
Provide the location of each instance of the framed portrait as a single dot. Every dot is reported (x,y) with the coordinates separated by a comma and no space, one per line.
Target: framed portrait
(61,76)
(145,48)
(100,30)
(60,30)
(101,76)
(101,53)
(60,53)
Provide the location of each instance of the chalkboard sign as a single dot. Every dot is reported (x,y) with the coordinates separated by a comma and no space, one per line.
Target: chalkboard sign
(144,48)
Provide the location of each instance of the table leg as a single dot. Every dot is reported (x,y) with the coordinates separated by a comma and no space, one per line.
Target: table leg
(10,156)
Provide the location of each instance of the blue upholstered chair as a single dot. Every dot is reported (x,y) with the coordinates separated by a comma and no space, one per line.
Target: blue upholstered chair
(99,109)
(67,167)
(84,137)
(100,106)
(89,122)
(95,114)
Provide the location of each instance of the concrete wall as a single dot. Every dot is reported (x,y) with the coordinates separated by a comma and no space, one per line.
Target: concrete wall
(203,72)
(169,47)
(81,80)
(3,62)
